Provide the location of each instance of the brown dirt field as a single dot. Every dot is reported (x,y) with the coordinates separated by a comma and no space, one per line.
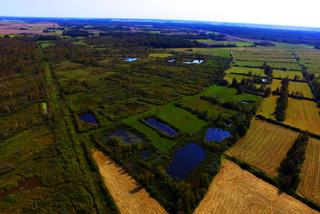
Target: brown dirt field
(7,28)
(264,146)
(129,196)
(235,190)
(310,174)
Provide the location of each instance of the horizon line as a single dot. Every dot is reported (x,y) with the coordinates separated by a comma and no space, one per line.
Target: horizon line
(257,25)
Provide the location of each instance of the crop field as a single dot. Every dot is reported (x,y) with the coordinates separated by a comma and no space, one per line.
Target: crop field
(310,180)
(287,74)
(222,52)
(304,115)
(129,196)
(229,77)
(225,94)
(225,43)
(199,105)
(245,70)
(264,146)
(299,88)
(235,189)
(277,58)
(160,55)
(268,107)
(276,65)
(262,54)
(310,58)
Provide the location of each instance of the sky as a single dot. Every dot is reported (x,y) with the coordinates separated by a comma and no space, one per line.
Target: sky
(279,12)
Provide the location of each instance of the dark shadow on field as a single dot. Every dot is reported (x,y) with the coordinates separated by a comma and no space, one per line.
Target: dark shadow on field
(136,189)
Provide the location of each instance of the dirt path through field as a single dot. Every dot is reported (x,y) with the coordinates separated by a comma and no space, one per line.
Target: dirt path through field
(128,195)
(235,190)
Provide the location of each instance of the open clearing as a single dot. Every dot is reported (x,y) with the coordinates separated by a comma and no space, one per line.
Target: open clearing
(129,196)
(235,190)
(264,146)
(310,174)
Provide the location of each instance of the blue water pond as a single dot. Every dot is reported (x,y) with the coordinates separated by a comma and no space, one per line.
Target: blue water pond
(185,160)
(89,118)
(217,135)
(162,127)
(126,136)
(131,59)
(145,154)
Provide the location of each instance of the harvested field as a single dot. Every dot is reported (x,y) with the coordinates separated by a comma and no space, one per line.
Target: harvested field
(129,196)
(264,146)
(268,106)
(304,115)
(310,174)
(235,190)
(294,87)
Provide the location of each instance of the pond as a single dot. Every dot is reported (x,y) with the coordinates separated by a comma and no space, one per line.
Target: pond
(89,118)
(162,127)
(196,61)
(247,102)
(185,160)
(216,135)
(131,59)
(145,154)
(126,136)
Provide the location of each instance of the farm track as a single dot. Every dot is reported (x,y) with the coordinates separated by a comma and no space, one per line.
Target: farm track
(235,190)
(310,174)
(264,146)
(129,196)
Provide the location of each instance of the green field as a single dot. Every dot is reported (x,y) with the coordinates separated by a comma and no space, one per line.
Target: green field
(202,106)
(225,94)
(223,52)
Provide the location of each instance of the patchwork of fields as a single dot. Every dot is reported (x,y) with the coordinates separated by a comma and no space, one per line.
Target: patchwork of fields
(236,190)
(264,146)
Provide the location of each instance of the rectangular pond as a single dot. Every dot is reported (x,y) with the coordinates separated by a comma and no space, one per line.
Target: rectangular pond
(185,160)
(126,136)
(131,59)
(216,135)
(196,61)
(160,126)
(89,118)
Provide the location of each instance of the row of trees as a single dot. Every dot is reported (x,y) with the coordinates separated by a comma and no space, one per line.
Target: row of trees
(290,167)
(282,101)
(249,85)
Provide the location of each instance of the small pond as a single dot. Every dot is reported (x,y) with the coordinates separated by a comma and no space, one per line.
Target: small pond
(196,61)
(162,127)
(247,102)
(216,135)
(131,59)
(126,136)
(145,154)
(89,118)
(185,160)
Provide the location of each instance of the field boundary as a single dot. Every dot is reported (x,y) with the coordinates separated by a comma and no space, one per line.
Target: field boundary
(270,120)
